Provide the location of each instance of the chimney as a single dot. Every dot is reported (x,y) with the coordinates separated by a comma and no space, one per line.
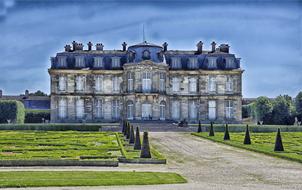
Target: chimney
(89,46)
(224,48)
(199,47)
(26,93)
(80,46)
(1,94)
(67,48)
(99,46)
(165,46)
(74,45)
(124,46)
(213,46)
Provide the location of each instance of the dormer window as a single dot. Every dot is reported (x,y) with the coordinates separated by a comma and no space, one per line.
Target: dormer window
(212,62)
(146,54)
(229,62)
(176,64)
(79,61)
(62,61)
(98,62)
(193,63)
(116,62)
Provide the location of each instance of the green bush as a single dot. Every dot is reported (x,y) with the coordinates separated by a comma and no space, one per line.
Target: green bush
(11,110)
(36,116)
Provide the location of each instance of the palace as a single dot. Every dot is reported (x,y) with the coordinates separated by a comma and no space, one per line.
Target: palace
(145,81)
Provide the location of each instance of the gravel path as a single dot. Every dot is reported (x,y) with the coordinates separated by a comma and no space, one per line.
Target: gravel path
(207,165)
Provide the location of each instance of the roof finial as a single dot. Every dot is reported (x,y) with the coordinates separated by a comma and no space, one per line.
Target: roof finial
(144,38)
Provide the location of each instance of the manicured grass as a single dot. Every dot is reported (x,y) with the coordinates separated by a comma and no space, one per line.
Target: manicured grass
(85,178)
(264,143)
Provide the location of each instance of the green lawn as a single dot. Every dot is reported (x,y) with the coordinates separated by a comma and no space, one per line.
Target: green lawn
(264,143)
(85,178)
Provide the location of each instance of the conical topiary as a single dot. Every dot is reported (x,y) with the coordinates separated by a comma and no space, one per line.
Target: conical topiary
(226,133)
(124,127)
(128,131)
(247,138)
(137,144)
(199,127)
(145,151)
(211,133)
(131,139)
(278,142)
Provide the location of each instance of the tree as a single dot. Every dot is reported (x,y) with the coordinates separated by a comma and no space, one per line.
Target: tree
(226,133)
(137,144)
(38,93)
(131,139)
(199,127)
(247,138)
(278,142)
(145,151)
(281,113)
(264,109)
(211,133)
(298,105)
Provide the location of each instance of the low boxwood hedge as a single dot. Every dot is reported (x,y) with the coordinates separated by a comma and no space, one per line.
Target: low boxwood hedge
(11,110)
(52,127)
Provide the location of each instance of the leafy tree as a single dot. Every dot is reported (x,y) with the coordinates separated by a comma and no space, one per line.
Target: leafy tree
(281,113)
(298,105)
(38,93)
(263,109)
(245,111)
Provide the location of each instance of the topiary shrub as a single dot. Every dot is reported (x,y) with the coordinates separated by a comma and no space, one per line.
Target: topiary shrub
(226,133)
(247,138)
(131,138)
(11,110)
(145,151)
(199,127)
(278,142)
(128,131)
(124,126)
(137,144)
(37,116)
(211,133)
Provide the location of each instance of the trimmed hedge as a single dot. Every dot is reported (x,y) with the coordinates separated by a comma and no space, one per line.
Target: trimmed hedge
(12,110)
(51,127)
(36,116)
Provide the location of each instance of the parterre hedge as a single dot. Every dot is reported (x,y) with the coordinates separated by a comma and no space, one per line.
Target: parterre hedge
(36,116)
(11,110)
(52,127)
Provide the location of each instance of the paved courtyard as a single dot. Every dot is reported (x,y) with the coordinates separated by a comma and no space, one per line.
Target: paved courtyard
(207,165)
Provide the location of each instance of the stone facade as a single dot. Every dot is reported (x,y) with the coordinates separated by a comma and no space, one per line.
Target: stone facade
(145,82)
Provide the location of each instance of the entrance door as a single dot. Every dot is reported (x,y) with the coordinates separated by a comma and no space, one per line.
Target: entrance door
(146,111)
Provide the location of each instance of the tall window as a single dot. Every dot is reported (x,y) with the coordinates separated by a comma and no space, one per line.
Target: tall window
(99,108)
(147,82)
(115,109)
(176,64)
(193,110)
(62,61)
(98,83)
(212,63)
(212,84)
(80,81)
(192,85)
(115,84)
(62,83)
(229,109)
(175,110)
(80,62)
(175,84)
(229,62)
(130,81)
(116,62)
(162,110)
(130,110)
(80,108)
(212,109)
(162,82)
(193,63)
(62,108)
(98,62)
(229,84)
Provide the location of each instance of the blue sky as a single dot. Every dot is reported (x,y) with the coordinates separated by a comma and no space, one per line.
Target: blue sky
(267,36)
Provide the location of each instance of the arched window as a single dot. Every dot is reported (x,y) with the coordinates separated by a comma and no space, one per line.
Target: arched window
(146,54)
(130,81)
(162,110)
(130,110)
